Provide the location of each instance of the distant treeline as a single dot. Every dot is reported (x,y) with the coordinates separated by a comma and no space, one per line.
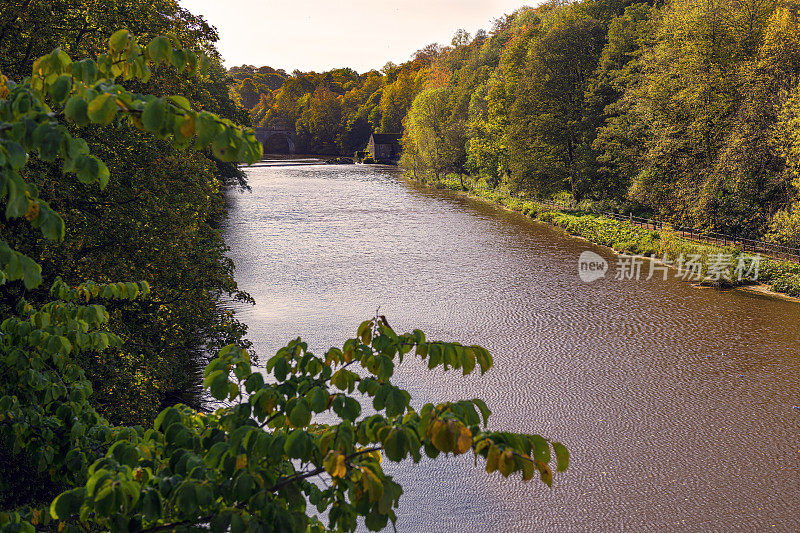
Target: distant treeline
(689,110)
(334,112)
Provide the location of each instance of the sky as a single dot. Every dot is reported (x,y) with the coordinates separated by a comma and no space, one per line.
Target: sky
(323,34)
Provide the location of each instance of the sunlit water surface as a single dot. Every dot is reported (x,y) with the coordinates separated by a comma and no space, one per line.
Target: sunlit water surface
(677,403)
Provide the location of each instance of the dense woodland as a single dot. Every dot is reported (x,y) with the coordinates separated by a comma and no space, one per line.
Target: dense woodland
(159,223)
(686,110)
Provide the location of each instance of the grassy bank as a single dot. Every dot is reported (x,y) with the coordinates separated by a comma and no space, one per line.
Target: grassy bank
(623,237)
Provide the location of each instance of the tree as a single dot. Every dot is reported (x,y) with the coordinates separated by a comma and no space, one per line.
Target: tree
(320,123)
(548,136)
(460,38)
(424,140)
(249,93)
(693,97)
(245,466)
(164,213)
(619,132)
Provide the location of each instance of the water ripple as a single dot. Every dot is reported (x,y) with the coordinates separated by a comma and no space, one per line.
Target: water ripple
(676,403)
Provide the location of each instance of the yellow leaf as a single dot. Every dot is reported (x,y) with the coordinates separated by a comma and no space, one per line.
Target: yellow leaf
(241,461)
(341,468)
(464,440)
(527,468)
(492,459)
(546,473)
(372,484)
(33,210)
(4,92)
(505,463)
(334,464)
(444,435)
(187,128)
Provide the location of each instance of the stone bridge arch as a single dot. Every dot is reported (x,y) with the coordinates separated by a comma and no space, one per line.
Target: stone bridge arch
(276,141)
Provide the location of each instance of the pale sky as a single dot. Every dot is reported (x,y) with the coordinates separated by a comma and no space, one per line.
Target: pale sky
(320,35)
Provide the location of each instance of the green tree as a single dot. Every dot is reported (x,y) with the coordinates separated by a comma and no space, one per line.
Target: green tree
(549,144)
(619,131)
(164,213)
(425,146)
(320,124)
(249,94)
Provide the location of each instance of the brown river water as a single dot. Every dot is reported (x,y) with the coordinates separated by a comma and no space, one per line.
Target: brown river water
(680,406)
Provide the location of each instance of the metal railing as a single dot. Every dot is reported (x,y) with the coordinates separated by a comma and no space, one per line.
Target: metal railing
(767,249)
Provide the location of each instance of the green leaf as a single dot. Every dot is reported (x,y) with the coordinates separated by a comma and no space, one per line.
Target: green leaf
(61,88)
(75,461)
(218,385)
(151,504)
(206,128)
(87,168)
(395,402)
(125,453)
(562,456)
(17,203)
(435,355)
(347,408)
(31,272)
(238,524)
(318,398)
(298,445)
(485,412)
(17,155)
(484,358)
(281,369)
(103,174)
(102,109)
(77,110)
(178,60)
(181,102)
(119,40)
(104,500)
(395,445)
(67,503)
(300,416)
(160,49)
(541,449)
(154,114)
(187,499)
(51,225)
(85,71)
(243,487)
(47,139)
(467,360)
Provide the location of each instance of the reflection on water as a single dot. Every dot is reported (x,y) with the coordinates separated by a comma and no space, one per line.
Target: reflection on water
(676,403)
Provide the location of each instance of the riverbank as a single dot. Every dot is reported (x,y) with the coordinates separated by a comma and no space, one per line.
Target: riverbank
(774,278)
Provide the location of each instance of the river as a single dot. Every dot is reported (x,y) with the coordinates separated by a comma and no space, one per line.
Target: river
(680,406)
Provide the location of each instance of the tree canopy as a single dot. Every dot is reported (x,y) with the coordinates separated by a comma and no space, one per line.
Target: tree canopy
(678,110)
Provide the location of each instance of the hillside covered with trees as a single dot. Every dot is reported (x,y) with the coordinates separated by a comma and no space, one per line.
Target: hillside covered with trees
(333,112)
(684,110)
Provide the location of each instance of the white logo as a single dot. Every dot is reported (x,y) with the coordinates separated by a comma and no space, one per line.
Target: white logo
(591,266)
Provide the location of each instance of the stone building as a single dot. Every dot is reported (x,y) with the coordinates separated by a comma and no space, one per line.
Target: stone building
(385,146)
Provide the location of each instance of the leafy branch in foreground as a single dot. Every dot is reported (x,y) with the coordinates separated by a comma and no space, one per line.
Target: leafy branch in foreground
(254,464)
